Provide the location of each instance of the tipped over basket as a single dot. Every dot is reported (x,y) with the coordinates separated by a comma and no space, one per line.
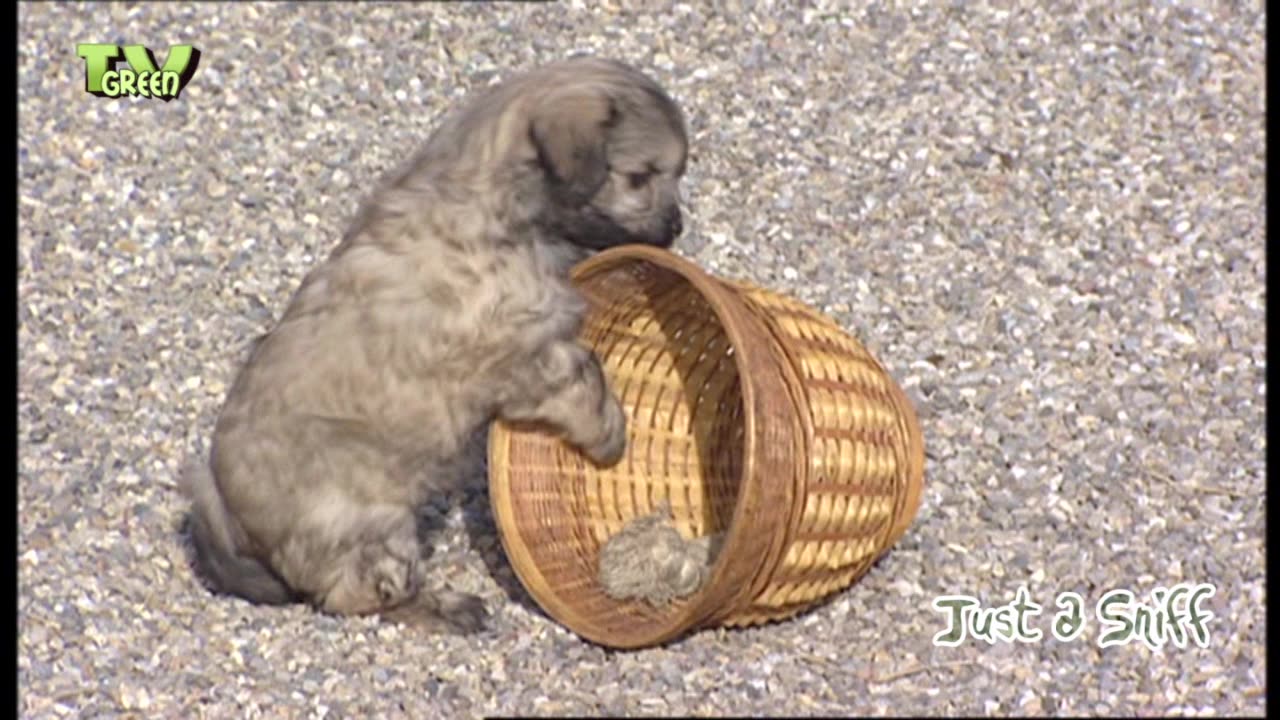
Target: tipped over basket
(752,414)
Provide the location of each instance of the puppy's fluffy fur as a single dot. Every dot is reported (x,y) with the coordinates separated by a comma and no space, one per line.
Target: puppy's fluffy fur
(446,304)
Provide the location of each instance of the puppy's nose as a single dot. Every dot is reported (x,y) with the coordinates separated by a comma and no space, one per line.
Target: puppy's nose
(675,224)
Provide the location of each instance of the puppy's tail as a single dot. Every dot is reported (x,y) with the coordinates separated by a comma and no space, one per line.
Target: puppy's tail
(213,533)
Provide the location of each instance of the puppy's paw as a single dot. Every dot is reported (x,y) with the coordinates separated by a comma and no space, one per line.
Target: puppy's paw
(465,613)
(613,442)
(441,612)
(391,569)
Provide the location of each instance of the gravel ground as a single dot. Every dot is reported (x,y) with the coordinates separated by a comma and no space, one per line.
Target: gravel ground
(1049,224)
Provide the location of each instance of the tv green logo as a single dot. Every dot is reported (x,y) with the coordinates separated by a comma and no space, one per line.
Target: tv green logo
(141,78)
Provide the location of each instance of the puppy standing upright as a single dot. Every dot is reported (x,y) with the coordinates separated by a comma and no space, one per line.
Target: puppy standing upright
(446,304)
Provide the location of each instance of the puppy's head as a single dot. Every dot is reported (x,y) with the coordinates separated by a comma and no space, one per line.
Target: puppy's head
(612,147)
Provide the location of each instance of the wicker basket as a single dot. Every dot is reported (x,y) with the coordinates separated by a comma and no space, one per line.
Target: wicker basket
(750,413)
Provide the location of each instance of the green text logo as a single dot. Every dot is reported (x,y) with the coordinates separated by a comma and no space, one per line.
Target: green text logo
(141,77)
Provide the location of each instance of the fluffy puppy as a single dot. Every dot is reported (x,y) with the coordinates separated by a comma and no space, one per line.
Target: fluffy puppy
(446,304)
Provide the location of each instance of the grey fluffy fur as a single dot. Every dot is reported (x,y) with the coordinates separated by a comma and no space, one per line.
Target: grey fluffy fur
(446,304)
(649,560)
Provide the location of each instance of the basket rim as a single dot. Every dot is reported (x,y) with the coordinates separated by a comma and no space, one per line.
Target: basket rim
(753,350)
(750,356)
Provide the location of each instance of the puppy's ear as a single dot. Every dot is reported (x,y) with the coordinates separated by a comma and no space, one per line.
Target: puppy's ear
(569,131)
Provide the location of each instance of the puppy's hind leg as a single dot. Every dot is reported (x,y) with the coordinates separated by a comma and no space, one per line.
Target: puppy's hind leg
(565,387)
(216,537)
(374,566)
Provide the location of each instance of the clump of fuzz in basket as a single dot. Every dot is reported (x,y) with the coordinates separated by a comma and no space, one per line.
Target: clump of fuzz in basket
(650,560)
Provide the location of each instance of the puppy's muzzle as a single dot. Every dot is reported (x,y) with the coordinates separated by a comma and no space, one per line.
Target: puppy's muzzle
(669,228)
(675,223)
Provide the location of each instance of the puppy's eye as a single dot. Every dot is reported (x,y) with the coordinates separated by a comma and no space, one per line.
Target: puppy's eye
(637,179)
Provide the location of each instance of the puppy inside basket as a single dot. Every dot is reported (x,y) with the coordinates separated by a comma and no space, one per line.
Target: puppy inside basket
(648,559)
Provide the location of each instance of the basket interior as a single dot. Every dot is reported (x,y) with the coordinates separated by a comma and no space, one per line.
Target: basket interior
(670,362)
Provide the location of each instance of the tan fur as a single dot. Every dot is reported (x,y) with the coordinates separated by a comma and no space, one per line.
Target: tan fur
(445,305)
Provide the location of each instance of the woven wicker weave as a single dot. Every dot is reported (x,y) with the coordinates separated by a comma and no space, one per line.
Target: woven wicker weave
(752,414)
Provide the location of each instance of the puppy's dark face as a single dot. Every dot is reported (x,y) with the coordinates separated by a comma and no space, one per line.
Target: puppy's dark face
(613,151)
